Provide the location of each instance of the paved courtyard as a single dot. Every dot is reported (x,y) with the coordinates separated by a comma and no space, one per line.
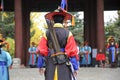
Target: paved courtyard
(84,74)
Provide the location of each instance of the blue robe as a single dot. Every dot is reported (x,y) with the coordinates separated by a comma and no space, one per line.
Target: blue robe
(112,50)
(5,62)
(41,62)
(86,60)
(33,56)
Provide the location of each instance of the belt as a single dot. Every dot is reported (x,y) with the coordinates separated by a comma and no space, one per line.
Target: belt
(58,53)
(62,51)
(3,63)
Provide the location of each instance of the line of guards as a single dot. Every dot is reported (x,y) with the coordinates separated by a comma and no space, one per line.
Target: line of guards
(111,58)
(36,60)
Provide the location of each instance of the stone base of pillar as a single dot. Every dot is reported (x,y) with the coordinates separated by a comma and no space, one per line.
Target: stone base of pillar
(17,63)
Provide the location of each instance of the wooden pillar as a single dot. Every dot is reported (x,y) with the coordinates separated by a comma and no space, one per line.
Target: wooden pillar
(26,31)
(100,25)
(22,31)
(90,23)
(18,29)
(86,21)
(93,35)
(94,23)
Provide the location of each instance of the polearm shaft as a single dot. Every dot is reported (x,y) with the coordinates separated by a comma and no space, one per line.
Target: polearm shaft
(55,42)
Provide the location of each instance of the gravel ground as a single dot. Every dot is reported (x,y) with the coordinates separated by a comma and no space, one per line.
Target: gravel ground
(83,74)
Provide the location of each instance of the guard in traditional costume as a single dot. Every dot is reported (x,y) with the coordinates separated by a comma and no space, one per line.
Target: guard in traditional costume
(5,61)
(86,50)
(100,58)
(58,64)
(112,48)
(33,56)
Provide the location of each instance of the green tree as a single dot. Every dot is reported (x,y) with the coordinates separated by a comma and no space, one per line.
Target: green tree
(117,23)
(12,45)
(7,24)
(77,30)
(7,29)
(112,28)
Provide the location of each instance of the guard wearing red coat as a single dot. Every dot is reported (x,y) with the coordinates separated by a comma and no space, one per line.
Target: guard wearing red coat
(54,70)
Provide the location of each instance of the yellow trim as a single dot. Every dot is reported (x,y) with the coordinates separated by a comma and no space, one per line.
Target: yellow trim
(58,25)
(56,74)
(73,21)
(70,34)
(55,25)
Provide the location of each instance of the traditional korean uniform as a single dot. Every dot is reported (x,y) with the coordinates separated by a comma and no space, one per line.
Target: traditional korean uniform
(5,62)
(33,56)
(41,61)
(67,45)
(100,58)
(112,48)
(86,50)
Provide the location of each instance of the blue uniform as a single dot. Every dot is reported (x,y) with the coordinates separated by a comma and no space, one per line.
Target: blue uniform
(5,62)
(86,60)
(41,62)
(33,55)
(112,49)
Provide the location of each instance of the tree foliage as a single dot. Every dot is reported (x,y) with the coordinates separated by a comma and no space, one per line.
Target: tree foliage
(7,24)
(112,28)
(7,29)
(12,45)
(77,30)
(37,25)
